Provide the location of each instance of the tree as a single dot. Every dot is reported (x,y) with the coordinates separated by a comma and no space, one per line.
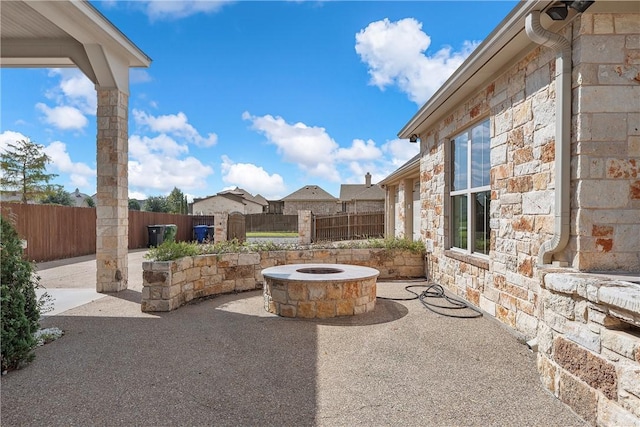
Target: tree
(20,311)
(24,170)
(175,200)
(57,196)
(156,204)
(92,204)
(134,205)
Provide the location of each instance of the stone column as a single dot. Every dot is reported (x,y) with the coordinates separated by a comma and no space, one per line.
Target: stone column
(221,226)
(112,221)
(304,227)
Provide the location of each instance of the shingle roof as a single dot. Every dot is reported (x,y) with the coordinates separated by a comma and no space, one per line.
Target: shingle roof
(309,192)
(361,192)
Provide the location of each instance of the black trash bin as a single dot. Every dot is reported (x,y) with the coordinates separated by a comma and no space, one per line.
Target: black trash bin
(156,235)
(211,232)
(201,232)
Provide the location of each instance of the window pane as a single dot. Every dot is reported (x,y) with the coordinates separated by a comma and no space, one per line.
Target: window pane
(482,231)
(460,162)
(480,155)
(459,225)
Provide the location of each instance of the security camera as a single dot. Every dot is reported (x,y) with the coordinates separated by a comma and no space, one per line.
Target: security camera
(413,138)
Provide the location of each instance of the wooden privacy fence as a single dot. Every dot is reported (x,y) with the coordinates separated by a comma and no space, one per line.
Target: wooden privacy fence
(271,222)
(57,232)
(347,226)
(53,232)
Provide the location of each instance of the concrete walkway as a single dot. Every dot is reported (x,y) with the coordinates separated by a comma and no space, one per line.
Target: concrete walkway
(226,361)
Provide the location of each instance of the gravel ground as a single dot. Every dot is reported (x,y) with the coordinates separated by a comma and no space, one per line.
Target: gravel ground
(226,361)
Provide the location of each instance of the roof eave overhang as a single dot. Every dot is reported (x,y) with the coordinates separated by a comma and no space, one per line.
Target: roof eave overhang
(506,42)
(411,170)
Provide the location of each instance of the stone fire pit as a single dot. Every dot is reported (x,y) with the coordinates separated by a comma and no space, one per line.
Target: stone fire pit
(319,290)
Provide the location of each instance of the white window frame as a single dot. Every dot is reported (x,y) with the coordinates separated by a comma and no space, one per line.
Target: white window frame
(470,192)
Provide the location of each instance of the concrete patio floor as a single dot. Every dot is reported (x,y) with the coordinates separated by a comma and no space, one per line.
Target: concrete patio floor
(226,361)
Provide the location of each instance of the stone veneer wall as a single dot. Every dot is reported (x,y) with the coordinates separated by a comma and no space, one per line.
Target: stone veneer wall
(168,285)
(589,346)
(606,147)
(605,205)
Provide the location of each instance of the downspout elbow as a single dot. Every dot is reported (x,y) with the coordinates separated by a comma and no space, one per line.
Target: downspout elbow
(562,48)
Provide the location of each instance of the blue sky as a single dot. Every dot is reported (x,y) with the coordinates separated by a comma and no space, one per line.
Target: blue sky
(267,96)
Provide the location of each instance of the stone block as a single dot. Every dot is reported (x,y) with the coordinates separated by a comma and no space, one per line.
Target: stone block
(629,402)
(286,310)
(620,295)
(297,291)
(350,290)
(593,370)
(487,305)
(583,335)
(629,378)
(621,342)
(306,309)
(526,324)
(561,304)
(325,309)
(611,414)
(548,374)
(579,396)
(249,259)
(155,305)
(333,291)
(317,291)
(344,307)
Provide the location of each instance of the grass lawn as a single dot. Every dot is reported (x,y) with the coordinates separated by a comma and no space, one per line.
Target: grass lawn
(272,234)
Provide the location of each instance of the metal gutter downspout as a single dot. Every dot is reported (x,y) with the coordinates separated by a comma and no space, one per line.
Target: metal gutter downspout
(562,47)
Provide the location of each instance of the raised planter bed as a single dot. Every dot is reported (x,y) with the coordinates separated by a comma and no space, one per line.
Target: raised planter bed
(168,285)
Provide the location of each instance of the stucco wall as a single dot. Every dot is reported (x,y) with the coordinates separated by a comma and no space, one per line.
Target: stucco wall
(217,204)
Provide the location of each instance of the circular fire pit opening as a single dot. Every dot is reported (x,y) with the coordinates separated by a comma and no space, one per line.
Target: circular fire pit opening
(319,270)
(319,290)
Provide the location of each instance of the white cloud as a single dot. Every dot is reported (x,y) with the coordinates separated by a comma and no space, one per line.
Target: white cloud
(359,150)
(80,174)
(139,76)
(162,173)
(176,125)
(143,146)
(63,117)
(310,147)
(252,178)
(10,137)
(400,151)
(172,10)
(74,89)
(395,55)
(157,163)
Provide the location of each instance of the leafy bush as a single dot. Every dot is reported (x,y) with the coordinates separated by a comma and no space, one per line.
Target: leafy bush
(170,250)
(20,308)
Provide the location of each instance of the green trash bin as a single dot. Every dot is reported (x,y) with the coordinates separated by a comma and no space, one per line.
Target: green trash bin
(170,231)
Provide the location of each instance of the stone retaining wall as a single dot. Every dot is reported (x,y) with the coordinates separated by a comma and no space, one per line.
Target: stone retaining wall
(168,285)
(589,346)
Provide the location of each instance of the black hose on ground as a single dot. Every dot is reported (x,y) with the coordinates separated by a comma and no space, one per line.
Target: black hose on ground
(435,291)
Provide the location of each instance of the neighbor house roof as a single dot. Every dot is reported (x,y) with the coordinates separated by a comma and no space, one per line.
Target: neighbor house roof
(261,200)
(309,193)
(361,192)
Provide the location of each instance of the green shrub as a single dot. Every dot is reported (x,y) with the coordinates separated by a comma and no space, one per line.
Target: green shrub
(20,312)
(169,250)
